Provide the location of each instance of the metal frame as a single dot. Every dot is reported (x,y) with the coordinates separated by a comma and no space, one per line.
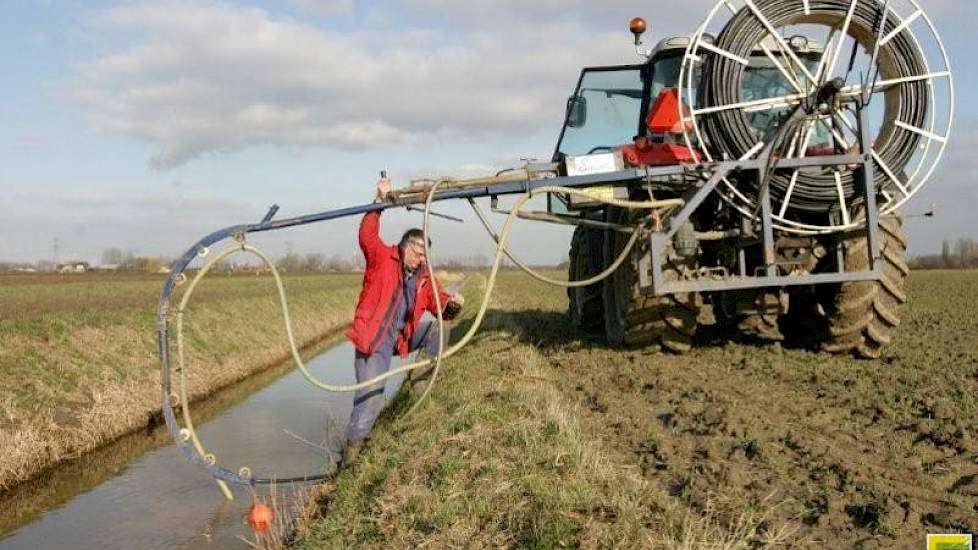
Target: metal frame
(659,241)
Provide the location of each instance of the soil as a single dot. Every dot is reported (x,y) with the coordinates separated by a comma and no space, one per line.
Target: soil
(847,453)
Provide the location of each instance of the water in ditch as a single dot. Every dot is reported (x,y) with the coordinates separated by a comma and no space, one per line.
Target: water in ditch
(142,493)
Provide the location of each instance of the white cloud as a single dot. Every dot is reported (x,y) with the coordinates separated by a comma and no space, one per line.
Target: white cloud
(207,77)
(678,17)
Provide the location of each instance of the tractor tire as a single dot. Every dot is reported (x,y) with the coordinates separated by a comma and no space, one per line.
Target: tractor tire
(585,304)
(763,324)
(637,320)
(863,315)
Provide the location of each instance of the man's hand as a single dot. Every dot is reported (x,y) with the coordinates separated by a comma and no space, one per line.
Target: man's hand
(453,307)
(383,189)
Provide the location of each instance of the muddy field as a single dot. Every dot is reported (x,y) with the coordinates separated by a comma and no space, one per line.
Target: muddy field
(550,438)
(872,454)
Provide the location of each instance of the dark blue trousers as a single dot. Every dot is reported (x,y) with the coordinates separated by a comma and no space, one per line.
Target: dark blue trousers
(368,402)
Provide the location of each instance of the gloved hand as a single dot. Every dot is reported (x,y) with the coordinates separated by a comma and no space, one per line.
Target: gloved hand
(453,307)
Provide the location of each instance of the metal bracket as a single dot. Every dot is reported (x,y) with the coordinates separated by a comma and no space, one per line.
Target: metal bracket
(268,216)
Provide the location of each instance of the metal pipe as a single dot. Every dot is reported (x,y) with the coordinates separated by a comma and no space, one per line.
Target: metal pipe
(565,220)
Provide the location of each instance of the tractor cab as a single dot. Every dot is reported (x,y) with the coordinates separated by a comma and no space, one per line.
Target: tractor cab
(632,111)
(610,105)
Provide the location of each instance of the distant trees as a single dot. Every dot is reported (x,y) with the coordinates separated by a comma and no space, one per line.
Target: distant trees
(116,256)
(293,262)
(962,255)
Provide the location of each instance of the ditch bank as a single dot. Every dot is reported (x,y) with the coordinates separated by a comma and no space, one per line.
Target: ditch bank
(80,380)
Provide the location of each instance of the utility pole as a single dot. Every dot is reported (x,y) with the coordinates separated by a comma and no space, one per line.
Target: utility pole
(55,252)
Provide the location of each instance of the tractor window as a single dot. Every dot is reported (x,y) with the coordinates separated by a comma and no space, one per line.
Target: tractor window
(609,113)
(665,74)
(762,80)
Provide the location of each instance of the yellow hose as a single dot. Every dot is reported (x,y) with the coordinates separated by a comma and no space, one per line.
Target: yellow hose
(442,352)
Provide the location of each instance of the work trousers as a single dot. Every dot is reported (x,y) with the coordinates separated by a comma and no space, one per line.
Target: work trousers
(368,402)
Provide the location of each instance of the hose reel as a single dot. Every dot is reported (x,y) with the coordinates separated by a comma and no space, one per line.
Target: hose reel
(766,63)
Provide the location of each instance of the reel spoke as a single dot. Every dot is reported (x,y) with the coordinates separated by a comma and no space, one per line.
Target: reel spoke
(777,37)
(790,77)
(889,173)
(906,23)
(920,131)
(842,34)
(800,152)
(846,220)
(885,85)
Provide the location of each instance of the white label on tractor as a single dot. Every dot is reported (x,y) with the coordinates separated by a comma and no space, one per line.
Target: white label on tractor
(594,164)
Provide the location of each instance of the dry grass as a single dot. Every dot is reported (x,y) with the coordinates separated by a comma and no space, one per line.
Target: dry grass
(293,508)
(79,377)
(500,458)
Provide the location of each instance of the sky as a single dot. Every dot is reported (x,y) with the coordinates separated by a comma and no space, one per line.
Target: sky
(145,125)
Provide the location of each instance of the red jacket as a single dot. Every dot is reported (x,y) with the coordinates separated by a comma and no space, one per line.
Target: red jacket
(380,292)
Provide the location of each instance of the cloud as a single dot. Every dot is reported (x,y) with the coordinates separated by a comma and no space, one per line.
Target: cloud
(678,17)
(206,77)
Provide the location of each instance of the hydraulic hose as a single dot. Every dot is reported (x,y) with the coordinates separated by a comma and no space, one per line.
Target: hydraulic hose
(500,251)
(730,132)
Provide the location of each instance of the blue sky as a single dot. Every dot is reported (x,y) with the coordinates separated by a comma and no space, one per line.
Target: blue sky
(146,125)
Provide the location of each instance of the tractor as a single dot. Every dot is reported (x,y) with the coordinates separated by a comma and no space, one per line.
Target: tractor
(813,252)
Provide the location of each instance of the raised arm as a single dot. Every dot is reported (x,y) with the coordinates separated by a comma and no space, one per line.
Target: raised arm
(370,241)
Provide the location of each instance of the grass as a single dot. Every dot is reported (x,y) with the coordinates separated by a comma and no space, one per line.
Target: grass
(78,355)
(500,457)
(540,436)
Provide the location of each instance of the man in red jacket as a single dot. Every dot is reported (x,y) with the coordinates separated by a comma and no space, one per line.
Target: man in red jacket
(396,294)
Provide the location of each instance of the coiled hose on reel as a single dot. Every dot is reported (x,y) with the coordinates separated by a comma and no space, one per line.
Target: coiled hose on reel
(730,132)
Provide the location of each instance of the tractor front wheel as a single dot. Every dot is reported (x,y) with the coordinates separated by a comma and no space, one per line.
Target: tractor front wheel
(636,319)
(585,305)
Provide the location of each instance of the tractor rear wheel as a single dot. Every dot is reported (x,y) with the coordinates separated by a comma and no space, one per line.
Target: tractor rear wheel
(633,318)
(585,304)
(863,315)
(762,321)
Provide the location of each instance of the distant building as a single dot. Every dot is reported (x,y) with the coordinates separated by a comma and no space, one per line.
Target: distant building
(73,267)
(107,267)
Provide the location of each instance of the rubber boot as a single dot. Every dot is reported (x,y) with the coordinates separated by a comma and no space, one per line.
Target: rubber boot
(419,380)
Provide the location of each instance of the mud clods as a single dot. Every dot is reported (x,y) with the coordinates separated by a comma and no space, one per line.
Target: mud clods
(848,454)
